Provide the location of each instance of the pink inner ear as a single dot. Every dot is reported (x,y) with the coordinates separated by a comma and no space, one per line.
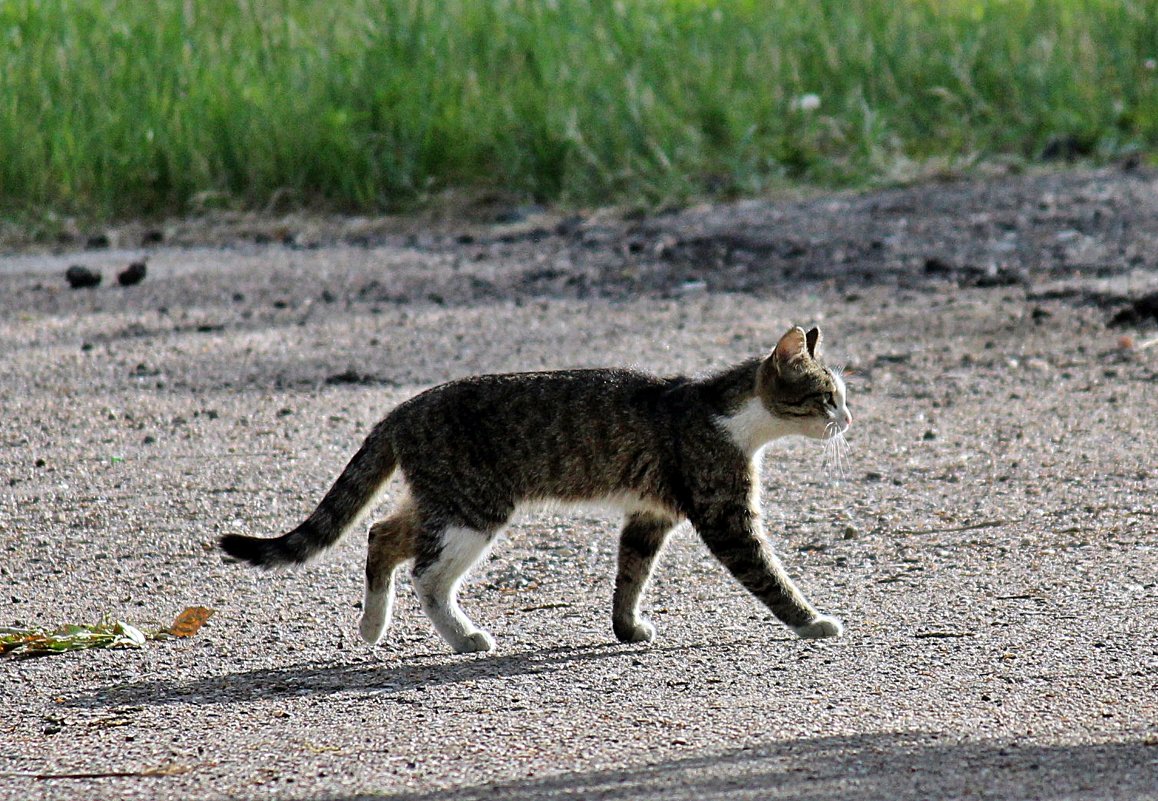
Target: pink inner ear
(791,346)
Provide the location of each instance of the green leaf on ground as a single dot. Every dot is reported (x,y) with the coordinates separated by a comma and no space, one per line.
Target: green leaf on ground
(19,641)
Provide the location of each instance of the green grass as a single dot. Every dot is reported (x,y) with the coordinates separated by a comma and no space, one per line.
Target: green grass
(121,107)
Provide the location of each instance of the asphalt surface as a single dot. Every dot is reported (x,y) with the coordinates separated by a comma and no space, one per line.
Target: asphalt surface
(989,543)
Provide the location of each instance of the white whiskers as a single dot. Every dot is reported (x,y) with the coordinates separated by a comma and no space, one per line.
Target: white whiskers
(836,449)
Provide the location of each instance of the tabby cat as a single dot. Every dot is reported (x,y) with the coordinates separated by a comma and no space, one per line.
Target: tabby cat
(663,450)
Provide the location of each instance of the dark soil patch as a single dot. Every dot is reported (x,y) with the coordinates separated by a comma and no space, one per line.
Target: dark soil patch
(1138,312)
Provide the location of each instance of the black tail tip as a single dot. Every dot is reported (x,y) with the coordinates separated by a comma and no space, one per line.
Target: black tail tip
(254,550)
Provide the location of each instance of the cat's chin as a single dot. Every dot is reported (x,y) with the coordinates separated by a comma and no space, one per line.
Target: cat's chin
(822,436)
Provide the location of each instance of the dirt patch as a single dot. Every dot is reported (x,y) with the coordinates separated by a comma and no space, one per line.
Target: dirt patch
(989,545)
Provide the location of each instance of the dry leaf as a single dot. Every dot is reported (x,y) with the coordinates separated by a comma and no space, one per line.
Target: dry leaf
(190,621)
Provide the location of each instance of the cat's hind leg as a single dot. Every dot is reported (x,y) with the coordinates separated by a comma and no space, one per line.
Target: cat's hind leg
(392,542)
(640,542)
(442,564)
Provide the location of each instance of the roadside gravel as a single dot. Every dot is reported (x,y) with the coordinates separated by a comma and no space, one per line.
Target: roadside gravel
(990,543)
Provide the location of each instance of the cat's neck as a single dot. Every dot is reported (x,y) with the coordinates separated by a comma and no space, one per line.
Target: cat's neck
(752,426)
(729,389)
(741,412)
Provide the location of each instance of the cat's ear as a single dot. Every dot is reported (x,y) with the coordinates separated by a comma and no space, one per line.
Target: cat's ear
(813,339)
(792,348)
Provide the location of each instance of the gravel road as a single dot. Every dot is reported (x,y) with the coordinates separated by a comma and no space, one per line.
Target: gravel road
(989,542)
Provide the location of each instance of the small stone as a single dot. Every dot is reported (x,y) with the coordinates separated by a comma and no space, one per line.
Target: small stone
(935,265)
(133,274)
(929,435)
(81,277)
(851,532)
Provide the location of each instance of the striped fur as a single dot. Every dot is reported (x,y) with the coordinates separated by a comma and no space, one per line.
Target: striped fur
(663,450)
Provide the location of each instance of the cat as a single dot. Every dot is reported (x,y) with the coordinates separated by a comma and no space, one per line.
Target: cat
(663,450)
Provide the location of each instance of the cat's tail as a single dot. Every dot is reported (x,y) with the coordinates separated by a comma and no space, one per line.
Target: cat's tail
(351,496)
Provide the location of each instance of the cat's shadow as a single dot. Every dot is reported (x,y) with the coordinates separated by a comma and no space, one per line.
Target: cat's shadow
(359,675)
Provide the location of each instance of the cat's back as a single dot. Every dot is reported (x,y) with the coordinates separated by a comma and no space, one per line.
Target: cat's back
(534,400)
(572,434)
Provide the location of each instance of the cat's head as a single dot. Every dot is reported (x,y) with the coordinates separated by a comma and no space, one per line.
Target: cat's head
(796,387)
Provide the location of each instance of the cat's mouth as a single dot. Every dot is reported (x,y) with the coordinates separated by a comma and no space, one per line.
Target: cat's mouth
(836,428)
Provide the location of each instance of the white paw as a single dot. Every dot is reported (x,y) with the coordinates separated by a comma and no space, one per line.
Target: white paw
(639,630)
(371,627)
(821,627)
(475,643)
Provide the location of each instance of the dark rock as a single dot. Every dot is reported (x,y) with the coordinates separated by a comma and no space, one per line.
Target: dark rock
(938,266)
(80,277)
(133,274)
(569,226)
(1067,148)
(152,237)
(1140,311)
(352,376)
(143,370)
(97,242)
(1131,162)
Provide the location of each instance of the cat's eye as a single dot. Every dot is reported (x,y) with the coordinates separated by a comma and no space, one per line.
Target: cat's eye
(830,398)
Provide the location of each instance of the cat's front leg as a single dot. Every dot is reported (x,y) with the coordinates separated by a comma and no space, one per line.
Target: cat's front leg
(732,533)
(640,542)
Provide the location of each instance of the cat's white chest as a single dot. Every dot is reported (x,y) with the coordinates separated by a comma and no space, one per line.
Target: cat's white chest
(752,427)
